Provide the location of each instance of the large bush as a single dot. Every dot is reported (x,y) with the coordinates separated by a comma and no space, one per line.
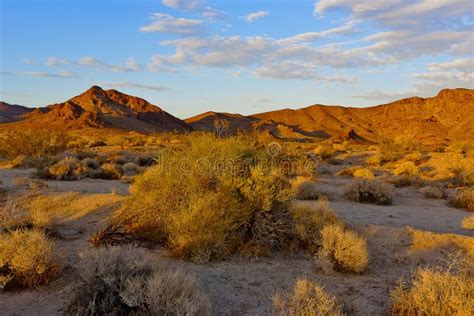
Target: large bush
(212,197)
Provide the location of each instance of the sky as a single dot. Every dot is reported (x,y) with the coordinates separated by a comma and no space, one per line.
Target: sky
(238,56)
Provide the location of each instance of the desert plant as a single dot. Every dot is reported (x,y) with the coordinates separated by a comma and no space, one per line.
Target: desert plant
(434,292)
(12,217)
(370,191)
(363,173)
(305,189)
(307,298)
(406,168)
(34,143)
(67,169)
(123,280)
(464,198)
(323,151)
(345,248)
(310,220)
(433,192)
(27,258)
(211,197)
(131,169)
(468,222)
(414,157)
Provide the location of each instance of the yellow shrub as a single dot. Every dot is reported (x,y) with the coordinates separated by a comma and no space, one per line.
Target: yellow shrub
(310,220)
(434,292)
(468,222)
(414,157)
(406,168)
(305,189)
(323,151)
(345,248)
(307,298)
(464,199)
(363,173)
(28,258)
(370,191)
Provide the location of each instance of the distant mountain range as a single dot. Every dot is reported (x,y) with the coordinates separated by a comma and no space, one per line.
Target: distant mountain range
(449,116)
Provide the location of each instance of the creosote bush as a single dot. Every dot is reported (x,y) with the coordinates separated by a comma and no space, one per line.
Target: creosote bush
(464,198)
(363,173)
(211,198)
(433,192)
(370,191)
(124,281)
(407,168)
(307,298)
(345,248)
(305,189)
(27,259)
(323,151)
(434,292)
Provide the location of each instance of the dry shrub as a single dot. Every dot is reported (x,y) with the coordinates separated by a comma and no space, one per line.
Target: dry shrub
(21,181)
(210,198)
(370,191)
(307,298)
(341,146)
(363,173)
(323,152)
(27,258)
(433,192)
(90,162)
(407,168)
(435,292)
(468,222)
(3,194)
(305,189)
(310,220)
(414,157)
(345,248)
(33,143)
(425,240)
(67,169)
(131,169)
(12,218)
(110,171)
(464,199)
(124,281)
(403,181)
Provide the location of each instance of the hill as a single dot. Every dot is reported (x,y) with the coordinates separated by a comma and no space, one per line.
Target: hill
(12,112)
(98,108)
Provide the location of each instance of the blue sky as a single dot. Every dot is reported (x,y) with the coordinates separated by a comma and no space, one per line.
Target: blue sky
(235,56)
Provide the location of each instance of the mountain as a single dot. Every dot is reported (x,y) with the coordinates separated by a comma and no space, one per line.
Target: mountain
(12,112)
(442,118)
(98,108)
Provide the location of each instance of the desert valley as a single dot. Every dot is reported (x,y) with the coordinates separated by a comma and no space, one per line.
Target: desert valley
(228,213)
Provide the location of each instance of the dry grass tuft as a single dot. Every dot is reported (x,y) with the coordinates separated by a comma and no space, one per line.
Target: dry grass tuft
(435,292)
(124,280)
(363,173)
(305,189)
(323,152)
(345,248)
(407,168)
(310,220)
(307,298)
(27,259)
(425,240)
(433,192)
(370,191)
(464,198)
(468,222)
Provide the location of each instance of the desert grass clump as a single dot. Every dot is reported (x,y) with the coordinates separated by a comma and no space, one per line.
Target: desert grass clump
(414,157)
(307,298)
(464,198)
(131,169)
(433,192)
(434,292)
(468,222)
(345,248)
(111,171)
(305,189)
(211,198)
(310,220)
(323,152)
(407,168)
(363,173)
(370,191)
(27,258)
(12,217)
(124,281)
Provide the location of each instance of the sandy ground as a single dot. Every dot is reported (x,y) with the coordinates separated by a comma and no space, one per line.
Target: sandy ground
(245,287)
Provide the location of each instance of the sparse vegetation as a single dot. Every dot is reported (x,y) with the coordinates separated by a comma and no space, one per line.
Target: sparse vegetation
(370,191)
(27,259)
(464,198)
(307,298)
(468,222)
(434,292)
(305,189)
(323,152)
(407,168)
(123,280)
(433,192)
(345,248)
(363,173)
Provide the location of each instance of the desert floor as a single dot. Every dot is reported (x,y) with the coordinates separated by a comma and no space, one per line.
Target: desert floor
(244,286)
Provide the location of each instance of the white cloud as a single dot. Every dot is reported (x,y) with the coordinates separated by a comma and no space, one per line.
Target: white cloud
(165,23)
(183,4)
(378,95)
(463,65)
(92,62)
(28,61)
(252,17)
(138,86)
(42,74)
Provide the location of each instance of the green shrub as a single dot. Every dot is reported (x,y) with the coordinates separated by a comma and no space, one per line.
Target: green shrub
(211,198)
